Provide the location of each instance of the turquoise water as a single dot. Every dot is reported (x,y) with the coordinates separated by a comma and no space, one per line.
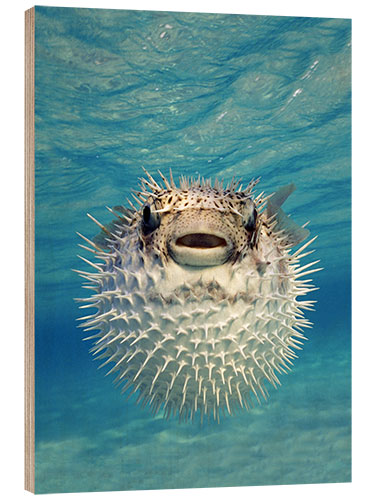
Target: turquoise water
(216,95)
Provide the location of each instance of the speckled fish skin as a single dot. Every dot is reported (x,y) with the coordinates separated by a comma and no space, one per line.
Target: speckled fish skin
(197,296)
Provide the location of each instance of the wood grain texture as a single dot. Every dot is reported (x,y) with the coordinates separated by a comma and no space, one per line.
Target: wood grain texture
(29,250)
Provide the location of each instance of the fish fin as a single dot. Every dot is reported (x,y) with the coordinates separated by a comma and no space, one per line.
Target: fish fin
(279,196)
(117,226)
(124,210)
(294,233)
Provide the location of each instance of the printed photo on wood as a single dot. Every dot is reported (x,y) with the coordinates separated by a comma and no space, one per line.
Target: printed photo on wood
(188,250)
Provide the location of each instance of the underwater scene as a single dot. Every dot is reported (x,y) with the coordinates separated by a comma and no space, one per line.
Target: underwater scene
(206,96)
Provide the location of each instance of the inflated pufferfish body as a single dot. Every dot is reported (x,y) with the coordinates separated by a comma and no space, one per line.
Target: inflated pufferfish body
(196,295)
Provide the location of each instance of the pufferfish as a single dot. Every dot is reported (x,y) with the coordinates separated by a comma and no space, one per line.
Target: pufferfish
(197,295)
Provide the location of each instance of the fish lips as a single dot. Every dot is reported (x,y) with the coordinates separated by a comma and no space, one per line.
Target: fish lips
(200,248)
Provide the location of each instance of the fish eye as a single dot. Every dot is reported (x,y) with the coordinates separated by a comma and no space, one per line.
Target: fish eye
(150,220)
(250,217)
(146,214)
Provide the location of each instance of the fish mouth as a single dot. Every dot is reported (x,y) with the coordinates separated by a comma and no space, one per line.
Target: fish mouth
(201,241)
(200,249)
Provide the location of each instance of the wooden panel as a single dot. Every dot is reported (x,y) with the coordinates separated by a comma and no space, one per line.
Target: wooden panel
(29,251)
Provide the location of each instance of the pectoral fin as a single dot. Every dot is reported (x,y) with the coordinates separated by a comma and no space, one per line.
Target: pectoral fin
(118,226)
(295,233)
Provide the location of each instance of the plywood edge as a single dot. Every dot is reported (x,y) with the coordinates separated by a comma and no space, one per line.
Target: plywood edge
(29,251)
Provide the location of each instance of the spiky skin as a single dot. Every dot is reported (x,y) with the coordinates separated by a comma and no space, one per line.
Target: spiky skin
(197,339)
